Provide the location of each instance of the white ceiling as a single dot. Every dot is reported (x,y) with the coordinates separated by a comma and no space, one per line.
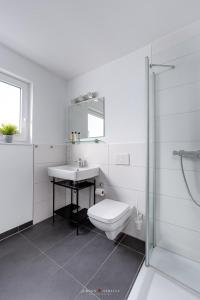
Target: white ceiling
(71,37)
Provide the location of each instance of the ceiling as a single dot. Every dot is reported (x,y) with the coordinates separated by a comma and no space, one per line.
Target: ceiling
(71,37)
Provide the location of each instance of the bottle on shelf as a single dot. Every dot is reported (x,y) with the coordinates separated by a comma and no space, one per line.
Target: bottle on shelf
(72,138)
(75,136)
(79,134)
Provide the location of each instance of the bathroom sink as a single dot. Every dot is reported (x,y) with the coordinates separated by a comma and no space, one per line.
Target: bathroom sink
(73,173)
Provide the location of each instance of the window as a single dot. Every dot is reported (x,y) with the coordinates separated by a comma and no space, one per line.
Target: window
(95,126)
(15,105)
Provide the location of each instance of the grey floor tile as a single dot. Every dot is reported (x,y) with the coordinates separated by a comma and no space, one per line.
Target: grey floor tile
(46,234)
(134,243)
(61,286)
(15,254)
(17,244)
(71,244)
(86,262)
(116,276)
(27,282)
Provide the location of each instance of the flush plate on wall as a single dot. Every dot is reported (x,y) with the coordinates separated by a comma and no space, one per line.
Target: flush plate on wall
(122,159)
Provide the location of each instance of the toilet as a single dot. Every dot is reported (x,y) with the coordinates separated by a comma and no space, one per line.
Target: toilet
(110,216)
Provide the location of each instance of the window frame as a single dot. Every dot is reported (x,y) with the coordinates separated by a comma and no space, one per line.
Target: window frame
(25,106)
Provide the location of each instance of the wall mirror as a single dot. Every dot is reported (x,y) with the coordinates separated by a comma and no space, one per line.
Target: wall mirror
(88,118)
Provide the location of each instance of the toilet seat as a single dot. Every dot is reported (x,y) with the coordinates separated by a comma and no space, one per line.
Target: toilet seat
(108,211)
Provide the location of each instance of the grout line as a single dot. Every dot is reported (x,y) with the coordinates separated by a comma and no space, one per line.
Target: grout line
(170,196)
(78,251)
(134,279)
(61,267)
(178,85)
(125,188)
(177,113)
(178,226)
(133,250)
(68,235)
(15,233)
(53,244)
(177,141)
(62,239)
(178,169)
(102,264)
(130,248)
(55,263)
(120,242)
(176,254)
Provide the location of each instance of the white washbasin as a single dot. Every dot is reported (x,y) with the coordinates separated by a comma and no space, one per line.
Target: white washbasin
(73,173)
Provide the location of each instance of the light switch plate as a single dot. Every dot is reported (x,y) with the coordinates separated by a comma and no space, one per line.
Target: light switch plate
(122,159)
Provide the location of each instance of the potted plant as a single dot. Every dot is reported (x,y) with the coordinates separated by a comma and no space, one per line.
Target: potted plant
(8,130)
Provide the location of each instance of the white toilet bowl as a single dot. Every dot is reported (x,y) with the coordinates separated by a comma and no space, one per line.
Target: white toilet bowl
(110,216)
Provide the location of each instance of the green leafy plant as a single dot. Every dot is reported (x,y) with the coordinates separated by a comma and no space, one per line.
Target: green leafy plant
(8,129)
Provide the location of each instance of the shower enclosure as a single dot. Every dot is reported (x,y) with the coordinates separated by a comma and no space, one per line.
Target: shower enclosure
(173,168)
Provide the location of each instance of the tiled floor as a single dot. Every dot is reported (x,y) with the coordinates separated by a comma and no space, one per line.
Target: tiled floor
(49,261)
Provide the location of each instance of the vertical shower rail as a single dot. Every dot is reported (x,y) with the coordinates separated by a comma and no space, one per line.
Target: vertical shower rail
(147,160)
(150,192)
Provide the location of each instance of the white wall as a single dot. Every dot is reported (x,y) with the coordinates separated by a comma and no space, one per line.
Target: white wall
(49,127)
(122,84)
(49,97)
(178,123)
(16,185)
(46,156)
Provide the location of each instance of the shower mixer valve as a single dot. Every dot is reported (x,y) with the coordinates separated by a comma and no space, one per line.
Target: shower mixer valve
(191,155)
(188,154)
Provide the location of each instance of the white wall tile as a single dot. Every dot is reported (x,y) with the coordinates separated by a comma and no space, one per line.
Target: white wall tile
(121,183)
(186,71)
(41,171)
(50,153)
(45,156)
(126,195)
(179,212)
(92,153)
(179,240)
(179,99)
(43,199)
(180,49)
(170,183)
(166,159)
(178,123)
(136,151)
(179,127)
(127,177)
(103,176)
(42,211)
(16,186)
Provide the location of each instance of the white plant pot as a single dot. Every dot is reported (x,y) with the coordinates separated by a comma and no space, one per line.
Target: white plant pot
(8,138)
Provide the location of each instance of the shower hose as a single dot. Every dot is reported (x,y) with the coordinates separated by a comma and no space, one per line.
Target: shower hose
(187,186)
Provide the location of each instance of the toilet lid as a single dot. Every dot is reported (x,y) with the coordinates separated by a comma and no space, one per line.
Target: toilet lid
(108,211)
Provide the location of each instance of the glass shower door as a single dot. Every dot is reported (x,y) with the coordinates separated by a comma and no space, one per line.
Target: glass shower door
(173,167)
(150,159)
